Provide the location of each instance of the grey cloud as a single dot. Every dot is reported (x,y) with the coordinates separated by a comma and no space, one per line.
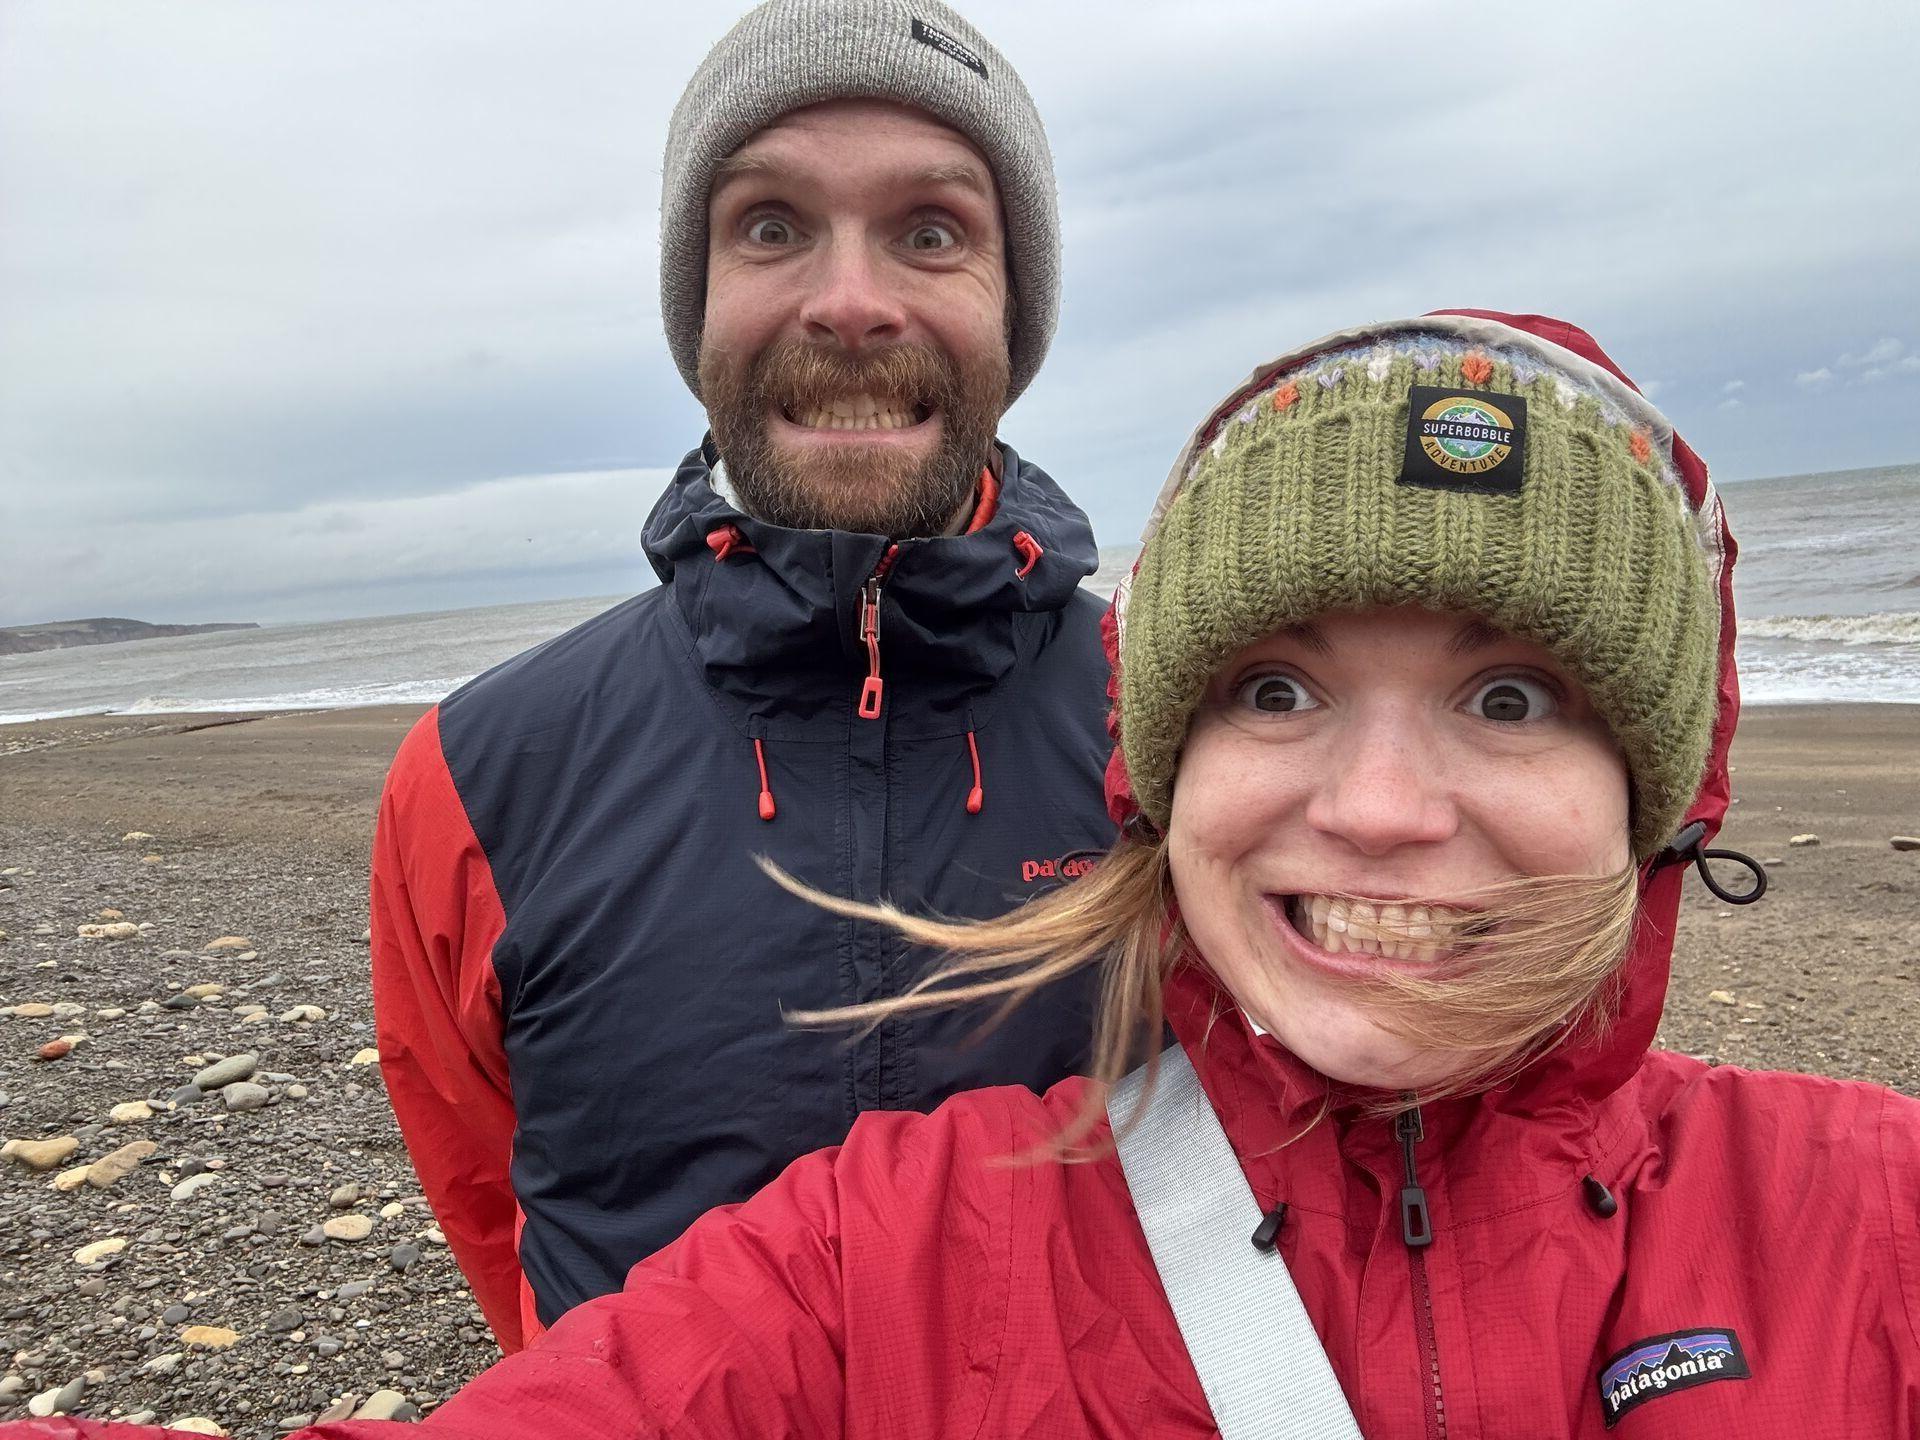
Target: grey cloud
(1881,352)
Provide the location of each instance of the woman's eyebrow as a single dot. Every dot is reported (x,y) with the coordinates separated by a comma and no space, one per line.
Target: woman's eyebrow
(1309,635)
(1474,635)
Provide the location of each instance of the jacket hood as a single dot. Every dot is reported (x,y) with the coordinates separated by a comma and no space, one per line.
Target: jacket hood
(1569,1081)
(774,614)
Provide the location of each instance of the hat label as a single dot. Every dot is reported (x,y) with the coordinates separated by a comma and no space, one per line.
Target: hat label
(1465,440)
(1663,1365)
(939,39)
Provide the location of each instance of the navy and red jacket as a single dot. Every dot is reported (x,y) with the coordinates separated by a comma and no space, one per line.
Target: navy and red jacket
(579,972)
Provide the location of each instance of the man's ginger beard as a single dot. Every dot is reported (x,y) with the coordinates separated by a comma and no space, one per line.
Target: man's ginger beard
(871,489)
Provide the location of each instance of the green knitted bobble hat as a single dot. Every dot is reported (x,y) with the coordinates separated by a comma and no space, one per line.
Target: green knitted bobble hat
(1454,463)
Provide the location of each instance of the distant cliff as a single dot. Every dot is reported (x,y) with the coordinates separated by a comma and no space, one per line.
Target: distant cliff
(59,634)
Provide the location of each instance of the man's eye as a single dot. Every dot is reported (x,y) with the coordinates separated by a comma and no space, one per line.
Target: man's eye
(1513,698)
(1275,695)
(770,230)
(930,237)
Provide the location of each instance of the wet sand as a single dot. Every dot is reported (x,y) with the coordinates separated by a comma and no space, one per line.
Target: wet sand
(303,778)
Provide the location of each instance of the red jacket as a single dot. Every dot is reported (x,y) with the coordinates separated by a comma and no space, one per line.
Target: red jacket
(907,1283)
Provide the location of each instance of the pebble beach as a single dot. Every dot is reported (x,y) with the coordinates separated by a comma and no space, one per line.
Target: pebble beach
(206,1213)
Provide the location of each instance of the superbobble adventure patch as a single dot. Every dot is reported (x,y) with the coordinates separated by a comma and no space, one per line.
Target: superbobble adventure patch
(1468,440)
(1666,1364)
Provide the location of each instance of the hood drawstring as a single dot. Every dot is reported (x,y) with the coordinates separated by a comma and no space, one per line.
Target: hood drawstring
(1688,846)
(767,810)
(976,797)
(1599,1199)
(1266,1234)
(725,540)
(1029,552)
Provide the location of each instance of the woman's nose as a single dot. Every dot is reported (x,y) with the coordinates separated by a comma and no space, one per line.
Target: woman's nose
(1384,786)
(851,301)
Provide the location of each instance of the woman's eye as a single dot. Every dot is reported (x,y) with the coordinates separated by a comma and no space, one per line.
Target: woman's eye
(770,230)
(1513,698)
(930,237)
(1275,694)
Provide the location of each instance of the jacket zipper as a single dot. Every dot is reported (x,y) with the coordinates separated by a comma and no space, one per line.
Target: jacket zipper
(1416,1230)
(874,690)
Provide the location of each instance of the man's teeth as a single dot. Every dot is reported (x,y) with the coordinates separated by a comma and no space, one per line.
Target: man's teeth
(856,412)
(1392,931)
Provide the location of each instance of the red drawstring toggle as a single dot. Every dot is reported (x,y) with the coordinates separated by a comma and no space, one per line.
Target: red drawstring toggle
(766,790)
(977,796)
(1029,551)
(725,540)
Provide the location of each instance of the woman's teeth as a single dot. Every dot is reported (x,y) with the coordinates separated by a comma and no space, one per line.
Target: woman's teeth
(855,412)
(1391,931)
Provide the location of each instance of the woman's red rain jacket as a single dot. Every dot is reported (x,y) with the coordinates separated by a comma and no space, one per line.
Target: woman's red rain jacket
(904,1284)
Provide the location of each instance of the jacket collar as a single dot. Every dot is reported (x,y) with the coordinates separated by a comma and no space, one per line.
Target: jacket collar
(775,619)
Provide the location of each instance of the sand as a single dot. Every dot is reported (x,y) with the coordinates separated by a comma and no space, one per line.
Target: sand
(258,827)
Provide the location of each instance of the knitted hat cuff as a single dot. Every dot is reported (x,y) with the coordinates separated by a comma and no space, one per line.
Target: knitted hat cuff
(787,54)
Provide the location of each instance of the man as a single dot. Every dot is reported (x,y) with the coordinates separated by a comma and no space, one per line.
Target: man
(869,660)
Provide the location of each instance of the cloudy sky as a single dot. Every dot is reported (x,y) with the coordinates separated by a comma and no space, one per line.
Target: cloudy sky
(348,308)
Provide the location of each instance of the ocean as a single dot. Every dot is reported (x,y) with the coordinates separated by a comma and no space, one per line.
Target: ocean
(1827,588)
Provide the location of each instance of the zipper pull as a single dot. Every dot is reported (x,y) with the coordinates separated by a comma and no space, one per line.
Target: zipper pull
(874,690)
(1416,1227)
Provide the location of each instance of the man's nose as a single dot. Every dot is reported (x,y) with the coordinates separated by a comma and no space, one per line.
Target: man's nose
(851,299)
(1385,786)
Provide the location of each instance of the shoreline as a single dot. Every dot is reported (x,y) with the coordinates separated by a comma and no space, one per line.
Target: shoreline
(268,775)
(202,716)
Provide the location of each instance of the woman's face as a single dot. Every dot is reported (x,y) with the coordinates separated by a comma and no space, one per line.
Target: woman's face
(1399,755)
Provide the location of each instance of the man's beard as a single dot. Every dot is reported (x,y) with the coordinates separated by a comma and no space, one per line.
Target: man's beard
(872,489)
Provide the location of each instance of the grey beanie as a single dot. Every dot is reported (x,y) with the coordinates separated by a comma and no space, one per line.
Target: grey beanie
(787,54)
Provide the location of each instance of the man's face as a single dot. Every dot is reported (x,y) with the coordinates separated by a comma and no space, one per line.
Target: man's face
(854,360)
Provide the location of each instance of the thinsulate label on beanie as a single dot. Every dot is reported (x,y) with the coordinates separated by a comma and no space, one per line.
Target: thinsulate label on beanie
(943,42)
(1474,441)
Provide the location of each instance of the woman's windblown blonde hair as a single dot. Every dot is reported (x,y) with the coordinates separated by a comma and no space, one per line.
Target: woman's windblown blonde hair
(1536,970)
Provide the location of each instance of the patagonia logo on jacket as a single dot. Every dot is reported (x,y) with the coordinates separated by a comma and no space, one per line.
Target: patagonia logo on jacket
(1070,866)
(1662,1364)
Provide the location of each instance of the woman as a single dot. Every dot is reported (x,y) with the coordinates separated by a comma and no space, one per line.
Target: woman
(1424,694)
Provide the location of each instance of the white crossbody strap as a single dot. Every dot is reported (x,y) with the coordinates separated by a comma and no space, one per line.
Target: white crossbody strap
(1263,1369)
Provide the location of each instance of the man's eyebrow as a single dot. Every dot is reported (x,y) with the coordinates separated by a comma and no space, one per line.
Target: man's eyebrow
(960,173)
(1474,635)
(744,163)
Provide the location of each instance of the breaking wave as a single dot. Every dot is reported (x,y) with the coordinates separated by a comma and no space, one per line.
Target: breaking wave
(1898,627)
